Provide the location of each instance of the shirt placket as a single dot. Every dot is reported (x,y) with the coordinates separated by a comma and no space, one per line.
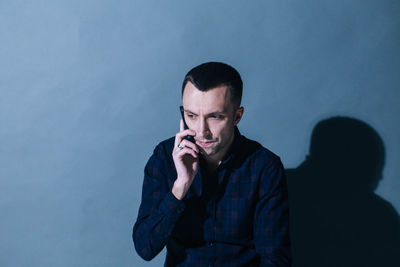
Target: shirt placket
(211,207)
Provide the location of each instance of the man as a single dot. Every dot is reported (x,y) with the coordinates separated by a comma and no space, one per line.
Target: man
(220,200)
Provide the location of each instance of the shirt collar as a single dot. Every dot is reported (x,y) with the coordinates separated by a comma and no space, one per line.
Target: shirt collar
(234,150)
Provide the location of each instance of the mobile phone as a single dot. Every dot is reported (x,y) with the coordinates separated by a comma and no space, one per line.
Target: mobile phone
(187,137)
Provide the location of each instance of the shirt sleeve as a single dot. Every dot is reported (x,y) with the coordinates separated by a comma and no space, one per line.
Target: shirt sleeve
(159,209)
(271,222)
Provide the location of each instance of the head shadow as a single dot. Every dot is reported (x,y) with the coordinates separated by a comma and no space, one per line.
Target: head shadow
(336,218)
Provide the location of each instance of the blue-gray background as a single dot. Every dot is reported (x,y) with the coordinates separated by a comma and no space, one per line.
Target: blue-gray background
(88,88)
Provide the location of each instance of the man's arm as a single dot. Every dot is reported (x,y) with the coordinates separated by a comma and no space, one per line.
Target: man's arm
(271,222)
(159,209)
(161,206)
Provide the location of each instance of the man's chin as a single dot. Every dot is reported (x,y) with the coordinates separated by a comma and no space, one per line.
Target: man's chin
(207,152)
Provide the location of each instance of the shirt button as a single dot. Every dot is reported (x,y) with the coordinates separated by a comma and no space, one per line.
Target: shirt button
(210,244)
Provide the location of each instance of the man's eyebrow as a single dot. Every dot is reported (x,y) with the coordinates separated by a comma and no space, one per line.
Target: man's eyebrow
(211,113)
(216,113)
(188,111)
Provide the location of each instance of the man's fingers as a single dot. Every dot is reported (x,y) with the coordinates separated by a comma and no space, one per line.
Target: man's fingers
(185,151)
(186,132)
(179,137)
(181,126)
(187,143)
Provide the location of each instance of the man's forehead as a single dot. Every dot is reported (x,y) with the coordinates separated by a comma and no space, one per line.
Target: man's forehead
(215,98)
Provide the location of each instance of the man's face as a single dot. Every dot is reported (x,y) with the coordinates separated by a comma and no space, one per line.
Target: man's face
(212,115)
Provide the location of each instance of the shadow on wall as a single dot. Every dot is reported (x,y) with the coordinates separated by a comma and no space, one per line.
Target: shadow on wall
(336,218)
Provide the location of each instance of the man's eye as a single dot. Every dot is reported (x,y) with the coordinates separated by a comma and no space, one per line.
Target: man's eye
(218,117)
(190,116)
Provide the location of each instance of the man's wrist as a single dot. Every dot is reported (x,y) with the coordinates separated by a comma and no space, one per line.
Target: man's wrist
(179,189)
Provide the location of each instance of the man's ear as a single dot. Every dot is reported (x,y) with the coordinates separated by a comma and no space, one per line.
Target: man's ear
(238,115)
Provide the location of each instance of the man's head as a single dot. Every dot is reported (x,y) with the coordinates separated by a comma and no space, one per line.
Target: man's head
(211,95)
(214,74)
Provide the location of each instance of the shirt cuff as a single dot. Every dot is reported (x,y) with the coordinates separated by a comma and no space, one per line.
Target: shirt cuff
(171,206)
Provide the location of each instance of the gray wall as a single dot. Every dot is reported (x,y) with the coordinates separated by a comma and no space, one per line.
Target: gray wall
(88,88)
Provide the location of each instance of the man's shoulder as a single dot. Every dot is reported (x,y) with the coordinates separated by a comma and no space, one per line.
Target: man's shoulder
(165,146)
(162,155)
(257,152)
(259,164)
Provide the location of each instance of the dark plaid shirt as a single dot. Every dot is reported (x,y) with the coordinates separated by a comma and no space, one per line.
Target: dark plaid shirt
(236,216)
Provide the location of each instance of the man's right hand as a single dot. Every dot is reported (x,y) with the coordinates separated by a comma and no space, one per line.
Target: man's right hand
(186,160)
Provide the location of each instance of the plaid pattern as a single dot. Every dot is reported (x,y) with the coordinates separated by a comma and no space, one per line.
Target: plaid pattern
(237,216)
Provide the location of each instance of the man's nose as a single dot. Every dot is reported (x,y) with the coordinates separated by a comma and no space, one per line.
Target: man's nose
(203,130)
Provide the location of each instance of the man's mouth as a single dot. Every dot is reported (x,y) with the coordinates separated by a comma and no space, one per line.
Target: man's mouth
(205,143)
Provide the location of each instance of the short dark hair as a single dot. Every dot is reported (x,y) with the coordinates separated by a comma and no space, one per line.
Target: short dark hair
(213,74)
